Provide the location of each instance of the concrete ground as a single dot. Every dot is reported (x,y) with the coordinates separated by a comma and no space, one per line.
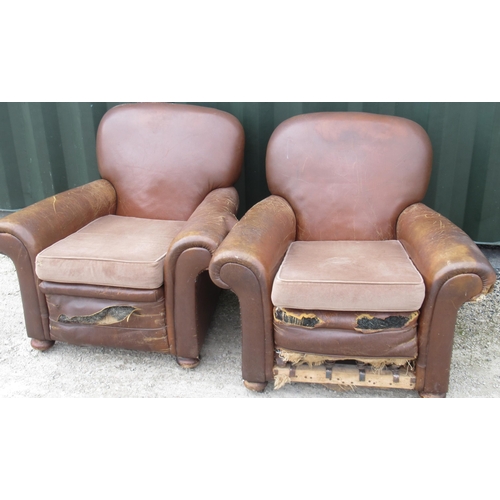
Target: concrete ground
(73,371)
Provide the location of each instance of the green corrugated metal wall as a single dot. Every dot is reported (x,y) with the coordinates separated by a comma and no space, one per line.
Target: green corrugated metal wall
(46,148)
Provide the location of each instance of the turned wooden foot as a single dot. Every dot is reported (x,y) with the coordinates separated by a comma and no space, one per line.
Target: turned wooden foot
(41,345)
(431,395)
(255,386)
(188,362)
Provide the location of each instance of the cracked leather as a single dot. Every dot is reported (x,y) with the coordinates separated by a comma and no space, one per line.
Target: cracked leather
(454,271)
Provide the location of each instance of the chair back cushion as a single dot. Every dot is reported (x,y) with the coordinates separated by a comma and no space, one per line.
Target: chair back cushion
(163,159)
(348,175)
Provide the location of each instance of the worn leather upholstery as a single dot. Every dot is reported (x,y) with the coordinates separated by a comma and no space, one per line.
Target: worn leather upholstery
(167,163)
(349,177)
(177,153)
(347,166)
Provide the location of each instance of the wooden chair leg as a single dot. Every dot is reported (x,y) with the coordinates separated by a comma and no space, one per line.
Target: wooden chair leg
(41,345)
(431,395)
(255,386)
(188,363)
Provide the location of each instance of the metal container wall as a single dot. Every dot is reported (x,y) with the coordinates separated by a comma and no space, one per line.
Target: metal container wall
(46,148)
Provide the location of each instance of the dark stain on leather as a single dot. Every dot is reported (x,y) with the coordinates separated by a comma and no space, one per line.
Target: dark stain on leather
(366,322)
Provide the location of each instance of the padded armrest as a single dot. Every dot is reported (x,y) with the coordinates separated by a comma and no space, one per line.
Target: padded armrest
(455,271)
(259,241)
(24,234)
(45,222)
(439,249)
(204,230)
(246,262)
(189,255)
(209,223)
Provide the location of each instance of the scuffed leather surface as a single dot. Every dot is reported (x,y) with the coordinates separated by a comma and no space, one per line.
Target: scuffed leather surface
(246,262)
(27,232)
(208,225)
(35,313)
(200,237)
(163,159)
(142,339)
(454,271)
(258,241)
(195,298)
(439,249)
(336,342)
(42,224)
(436,331)
(349,175)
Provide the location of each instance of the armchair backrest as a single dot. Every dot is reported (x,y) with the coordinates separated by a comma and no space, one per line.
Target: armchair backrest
(163,159)
(347,175)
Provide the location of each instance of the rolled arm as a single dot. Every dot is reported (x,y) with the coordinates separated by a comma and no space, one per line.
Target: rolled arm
(42,224)
(439,249)
(246,262)
(27,232)
(455,271)
(188,256)
(208,225)
(259,241)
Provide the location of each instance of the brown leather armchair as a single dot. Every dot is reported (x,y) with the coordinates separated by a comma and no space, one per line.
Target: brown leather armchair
(342,275)
(123,261)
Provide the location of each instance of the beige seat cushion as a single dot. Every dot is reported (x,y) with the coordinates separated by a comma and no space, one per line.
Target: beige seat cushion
(348,276)
(111,251)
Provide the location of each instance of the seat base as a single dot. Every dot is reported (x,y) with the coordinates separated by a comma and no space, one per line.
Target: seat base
(107,316)
(348,334)
(344,375)
(295,358)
